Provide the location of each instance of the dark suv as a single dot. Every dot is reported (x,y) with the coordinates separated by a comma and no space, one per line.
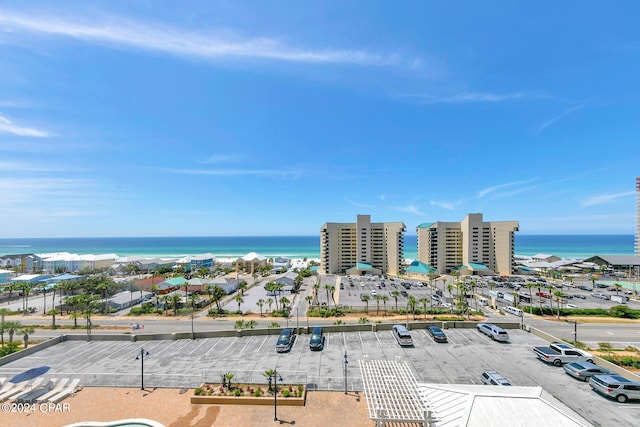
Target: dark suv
(285,340)
(317,339)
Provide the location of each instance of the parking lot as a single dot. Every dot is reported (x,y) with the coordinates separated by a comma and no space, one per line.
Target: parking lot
(187,363)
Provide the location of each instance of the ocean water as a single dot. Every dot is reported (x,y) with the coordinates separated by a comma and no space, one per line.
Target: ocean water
(565,246)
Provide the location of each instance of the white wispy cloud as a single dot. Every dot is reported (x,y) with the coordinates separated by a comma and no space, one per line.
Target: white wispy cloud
(482,193)
(121,32)
(558,117)
(606,198)
(444,205)
(220,158)
(12,166)
(284,173)
(357,204)
(468,97)
(8,126)
(410,209)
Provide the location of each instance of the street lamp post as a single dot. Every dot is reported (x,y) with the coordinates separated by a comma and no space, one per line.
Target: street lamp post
(275,377)
(140,357)
(346,362)
(297,328)
(575,332)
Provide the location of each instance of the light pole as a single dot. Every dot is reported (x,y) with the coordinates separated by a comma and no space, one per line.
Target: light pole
(140,357)
(346,362)
(575,332)
(297,328)
(275,377)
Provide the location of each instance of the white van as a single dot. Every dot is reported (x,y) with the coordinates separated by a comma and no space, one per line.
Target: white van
(513,310)
(402,335)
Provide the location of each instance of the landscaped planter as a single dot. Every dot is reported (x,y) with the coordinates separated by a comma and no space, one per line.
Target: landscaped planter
(248,399)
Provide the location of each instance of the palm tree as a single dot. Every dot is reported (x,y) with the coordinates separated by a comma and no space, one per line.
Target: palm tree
(385,298)
(378,298)
(217,294)
(166,300)
(175,300)
(269,373)
(242,286)
(366,299)
(316,287)
(193,299)
(251,324)
(53,313)
(11,328)
(558,295)
(239,300)
(328,289)
(332,292)
(25,331)
(269,302)
(285,305)
(530,286)
(412,305)
(395,294)
(260,303)
(618,286)
(424,302)
(308,299)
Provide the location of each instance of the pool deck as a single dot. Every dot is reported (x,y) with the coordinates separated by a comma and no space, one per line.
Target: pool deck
(173,409)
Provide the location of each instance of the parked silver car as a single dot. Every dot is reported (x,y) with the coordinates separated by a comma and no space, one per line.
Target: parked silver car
(616,387)
(584,370)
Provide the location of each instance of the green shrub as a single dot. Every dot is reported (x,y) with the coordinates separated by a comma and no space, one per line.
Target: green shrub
(286,393)
(237,392)
(198,391)
(257,393)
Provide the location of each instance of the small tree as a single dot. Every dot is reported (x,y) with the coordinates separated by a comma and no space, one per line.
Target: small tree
(53,314)
(239,300)
(366,299)
(229,376)
(25,331)
(260,303)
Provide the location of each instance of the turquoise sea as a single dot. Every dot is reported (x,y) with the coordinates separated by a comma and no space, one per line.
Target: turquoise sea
(565,246)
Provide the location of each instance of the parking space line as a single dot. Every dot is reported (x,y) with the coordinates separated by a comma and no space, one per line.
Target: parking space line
(230,345)
(213,346)
(249,341)
(264,340)
(166,348)
(198,346)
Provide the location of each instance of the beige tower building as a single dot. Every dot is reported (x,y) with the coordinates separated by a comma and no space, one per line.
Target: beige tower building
(362,247)
(479,247)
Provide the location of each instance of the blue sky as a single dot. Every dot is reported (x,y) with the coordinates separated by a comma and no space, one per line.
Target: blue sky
(149,118)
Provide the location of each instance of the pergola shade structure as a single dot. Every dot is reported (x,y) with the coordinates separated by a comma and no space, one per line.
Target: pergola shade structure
(392,393)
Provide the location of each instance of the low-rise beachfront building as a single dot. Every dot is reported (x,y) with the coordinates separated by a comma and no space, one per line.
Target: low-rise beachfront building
(5,276)
(31,279)
(23,263)
(344,247)
(251,260)
(127,299)
(65,261)
(471,246)
(628,264)
(280,263)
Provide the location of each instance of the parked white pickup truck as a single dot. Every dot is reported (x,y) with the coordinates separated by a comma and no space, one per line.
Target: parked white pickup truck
(560,353)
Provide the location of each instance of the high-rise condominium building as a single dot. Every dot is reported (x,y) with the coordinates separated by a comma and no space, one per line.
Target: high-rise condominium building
(481,247)
(638,216)
(363,246)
